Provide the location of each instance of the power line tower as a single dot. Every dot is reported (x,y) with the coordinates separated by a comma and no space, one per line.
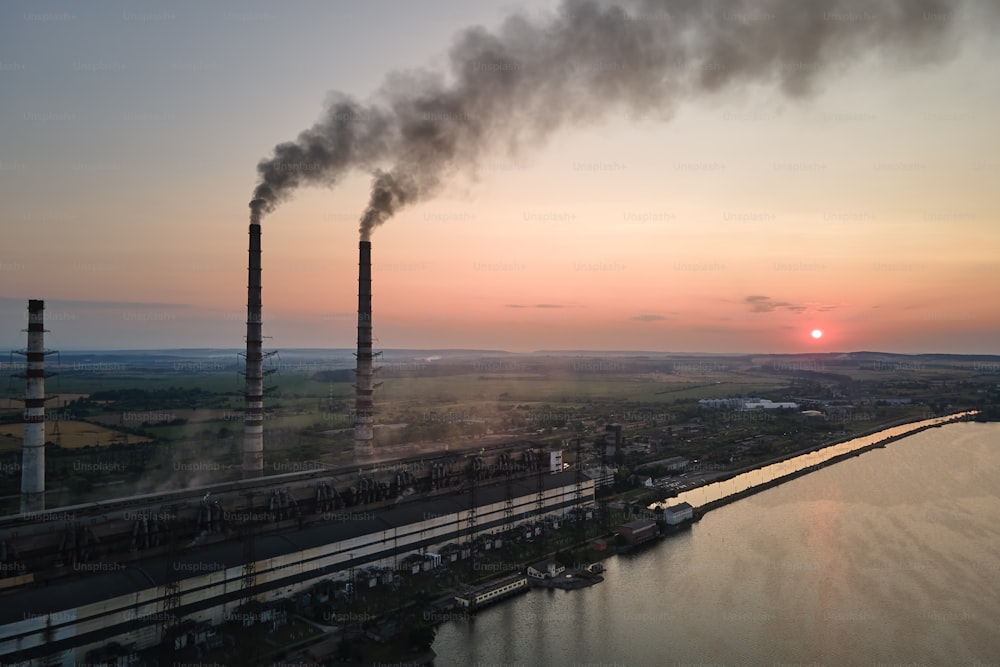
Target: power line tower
(581,526)
(471,519)
(249,579)
(171,585)
(508,511)
(604,509)
(540,498)
(56,433)
(119,437)
(249,652)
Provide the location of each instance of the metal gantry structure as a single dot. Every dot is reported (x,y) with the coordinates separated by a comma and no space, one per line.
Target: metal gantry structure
(171,587)
(249,579)
(508,512)
(471,518)
(540,500)
(581,526)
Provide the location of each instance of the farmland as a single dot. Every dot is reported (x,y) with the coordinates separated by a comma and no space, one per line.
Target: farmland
(71,435)
(187,408)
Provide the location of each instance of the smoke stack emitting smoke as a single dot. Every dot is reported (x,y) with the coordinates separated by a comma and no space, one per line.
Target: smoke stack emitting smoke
(363,375)
(253,426)
(514,87)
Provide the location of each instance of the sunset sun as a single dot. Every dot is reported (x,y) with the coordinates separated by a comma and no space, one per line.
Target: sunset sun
(816,333)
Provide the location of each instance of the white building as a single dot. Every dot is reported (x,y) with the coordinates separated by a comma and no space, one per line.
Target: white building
(678,513)
(734,403)
(556,461)
(765,404)
(746,404)
(546,569)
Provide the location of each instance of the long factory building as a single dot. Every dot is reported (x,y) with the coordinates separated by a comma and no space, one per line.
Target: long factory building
(127,603)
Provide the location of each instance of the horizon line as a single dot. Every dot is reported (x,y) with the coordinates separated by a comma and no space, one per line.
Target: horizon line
(351,350)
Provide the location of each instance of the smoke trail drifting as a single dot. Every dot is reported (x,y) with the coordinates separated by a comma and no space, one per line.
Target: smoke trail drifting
(512,88)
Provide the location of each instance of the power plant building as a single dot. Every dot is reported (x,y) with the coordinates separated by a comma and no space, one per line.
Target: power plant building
(109,602)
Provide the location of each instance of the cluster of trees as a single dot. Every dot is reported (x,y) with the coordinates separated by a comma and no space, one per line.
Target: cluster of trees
(172,398)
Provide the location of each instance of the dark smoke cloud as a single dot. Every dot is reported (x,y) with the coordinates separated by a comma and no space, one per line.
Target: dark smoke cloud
(510,89)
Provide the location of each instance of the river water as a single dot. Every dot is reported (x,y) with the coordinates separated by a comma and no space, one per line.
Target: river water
(889,558)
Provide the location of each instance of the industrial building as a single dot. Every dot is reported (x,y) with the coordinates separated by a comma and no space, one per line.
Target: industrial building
(546,569)
(674,463)
(602,475)
(129,604)
(98,582)
(678,513)
(638,532)
(747,404)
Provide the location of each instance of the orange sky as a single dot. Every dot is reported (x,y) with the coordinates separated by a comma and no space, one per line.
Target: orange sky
(744,222)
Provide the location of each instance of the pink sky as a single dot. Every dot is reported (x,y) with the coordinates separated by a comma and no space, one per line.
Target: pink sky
(742,223)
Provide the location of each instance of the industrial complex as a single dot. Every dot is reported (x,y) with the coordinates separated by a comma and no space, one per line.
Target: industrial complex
(165,568)
(135,602)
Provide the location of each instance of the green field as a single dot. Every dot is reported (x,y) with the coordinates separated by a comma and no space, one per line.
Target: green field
(547,399)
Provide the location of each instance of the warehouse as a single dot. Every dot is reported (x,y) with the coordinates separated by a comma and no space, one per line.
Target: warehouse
(638,532)
(679,513)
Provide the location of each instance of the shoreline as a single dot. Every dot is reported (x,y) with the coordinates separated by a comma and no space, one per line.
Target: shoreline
(592,579)
(701,510)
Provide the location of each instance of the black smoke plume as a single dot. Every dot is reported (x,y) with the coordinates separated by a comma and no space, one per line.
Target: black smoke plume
(510,89)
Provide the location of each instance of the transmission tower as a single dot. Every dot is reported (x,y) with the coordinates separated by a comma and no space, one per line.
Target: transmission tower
(581,527)
(171,585)
(471,521)
(508,512)
(540,498)
(249,578)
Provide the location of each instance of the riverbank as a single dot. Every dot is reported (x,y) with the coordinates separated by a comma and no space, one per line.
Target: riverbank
(893,545)
(701,510)
(441,611)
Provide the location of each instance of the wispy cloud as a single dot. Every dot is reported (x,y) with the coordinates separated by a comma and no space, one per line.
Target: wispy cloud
(648,318)
(765,304)
(759,303)
(537,305)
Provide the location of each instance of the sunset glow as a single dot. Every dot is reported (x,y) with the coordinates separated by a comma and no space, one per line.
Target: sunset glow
(721,225)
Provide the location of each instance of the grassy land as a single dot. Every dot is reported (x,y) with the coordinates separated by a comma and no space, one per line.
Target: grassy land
(72,434)
(542,400)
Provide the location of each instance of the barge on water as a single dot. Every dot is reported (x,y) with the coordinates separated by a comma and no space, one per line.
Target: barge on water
(490,593)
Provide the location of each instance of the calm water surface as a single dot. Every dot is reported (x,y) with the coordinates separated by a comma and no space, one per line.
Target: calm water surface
(892,557)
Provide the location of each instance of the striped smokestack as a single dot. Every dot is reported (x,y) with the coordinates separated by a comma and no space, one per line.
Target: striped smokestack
(33,452)
(253,425)
(363,407)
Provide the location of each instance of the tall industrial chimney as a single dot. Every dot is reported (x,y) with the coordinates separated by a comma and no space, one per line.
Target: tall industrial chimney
(253,425)
(33,452)
(363,406)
